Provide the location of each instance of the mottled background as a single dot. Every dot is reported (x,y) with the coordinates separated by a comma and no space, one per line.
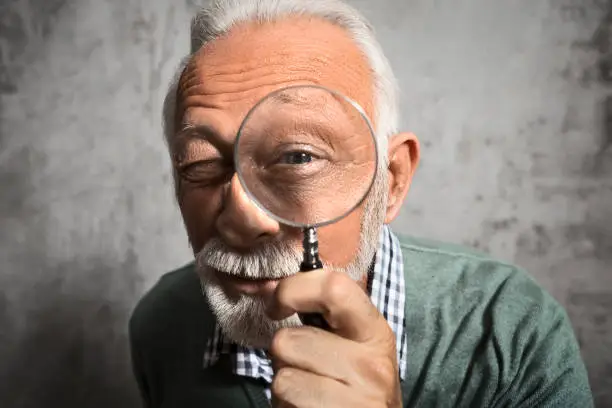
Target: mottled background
(508,97)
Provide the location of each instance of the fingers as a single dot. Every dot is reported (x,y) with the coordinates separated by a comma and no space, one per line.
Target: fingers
(316,351)
(343,303)
(326,354)
(353,365)
(296,388)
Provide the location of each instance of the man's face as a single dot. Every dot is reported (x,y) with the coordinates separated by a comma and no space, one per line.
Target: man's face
(240,252)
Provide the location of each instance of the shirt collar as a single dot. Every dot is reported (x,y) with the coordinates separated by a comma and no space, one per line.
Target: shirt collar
(386,287)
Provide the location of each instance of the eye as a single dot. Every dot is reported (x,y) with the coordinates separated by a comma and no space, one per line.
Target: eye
(205,171)
(296,157)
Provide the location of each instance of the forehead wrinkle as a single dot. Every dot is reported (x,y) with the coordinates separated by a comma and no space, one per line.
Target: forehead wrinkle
(205,80)
(190,77)
(235,90)
(226,87)
(225,92)
(309,61)
(248,57)
(279,57)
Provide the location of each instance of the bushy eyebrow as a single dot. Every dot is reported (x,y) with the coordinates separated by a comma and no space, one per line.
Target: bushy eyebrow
(201,131)
(188,131)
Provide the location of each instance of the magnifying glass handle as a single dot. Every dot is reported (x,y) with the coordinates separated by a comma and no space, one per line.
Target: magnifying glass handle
(312,262)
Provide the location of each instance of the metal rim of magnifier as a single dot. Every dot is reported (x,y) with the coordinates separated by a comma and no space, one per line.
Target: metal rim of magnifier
(263,207)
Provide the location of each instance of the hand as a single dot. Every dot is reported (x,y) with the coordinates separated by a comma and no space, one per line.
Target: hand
(354,365)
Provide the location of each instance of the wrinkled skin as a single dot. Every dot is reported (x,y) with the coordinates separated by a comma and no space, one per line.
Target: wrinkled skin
(354,364)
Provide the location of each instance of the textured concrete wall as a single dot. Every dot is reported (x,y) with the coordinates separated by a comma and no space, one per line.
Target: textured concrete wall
(506,97)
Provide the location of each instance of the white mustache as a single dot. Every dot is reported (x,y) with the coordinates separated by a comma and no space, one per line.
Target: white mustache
(272,260)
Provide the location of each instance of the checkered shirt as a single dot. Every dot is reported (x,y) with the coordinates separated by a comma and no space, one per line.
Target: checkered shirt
(387,292)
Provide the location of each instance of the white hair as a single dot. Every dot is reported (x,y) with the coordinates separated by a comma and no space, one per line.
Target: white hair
(221,16)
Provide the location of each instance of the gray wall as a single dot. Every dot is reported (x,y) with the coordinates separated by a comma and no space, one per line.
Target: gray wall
(503,94)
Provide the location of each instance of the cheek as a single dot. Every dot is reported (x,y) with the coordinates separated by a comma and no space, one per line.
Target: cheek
(339,242)
(200,208)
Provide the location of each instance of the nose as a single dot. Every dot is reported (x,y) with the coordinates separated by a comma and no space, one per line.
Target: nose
(242,224)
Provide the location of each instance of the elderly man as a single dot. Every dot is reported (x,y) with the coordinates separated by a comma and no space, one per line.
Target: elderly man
(413,324)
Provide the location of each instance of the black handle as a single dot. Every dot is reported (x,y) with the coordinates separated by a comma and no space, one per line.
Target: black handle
(312,262)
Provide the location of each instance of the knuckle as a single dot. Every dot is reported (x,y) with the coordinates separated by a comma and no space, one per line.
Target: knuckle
(282,382)
(386,336)
(380,370)
(280,341)
(337,287)
(306,334)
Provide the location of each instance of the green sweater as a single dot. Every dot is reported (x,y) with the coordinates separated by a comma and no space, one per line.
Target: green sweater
(480,334)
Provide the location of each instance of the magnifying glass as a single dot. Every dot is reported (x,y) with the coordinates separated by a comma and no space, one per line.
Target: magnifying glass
(307,156)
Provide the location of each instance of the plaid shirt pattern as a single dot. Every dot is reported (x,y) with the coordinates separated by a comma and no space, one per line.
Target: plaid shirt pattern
(386,287)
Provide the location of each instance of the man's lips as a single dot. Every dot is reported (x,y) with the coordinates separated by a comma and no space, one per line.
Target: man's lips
(248,286)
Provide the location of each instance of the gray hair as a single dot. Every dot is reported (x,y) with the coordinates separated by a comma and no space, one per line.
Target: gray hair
(221,16)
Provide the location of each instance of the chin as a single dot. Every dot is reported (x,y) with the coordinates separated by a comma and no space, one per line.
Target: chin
(242,319)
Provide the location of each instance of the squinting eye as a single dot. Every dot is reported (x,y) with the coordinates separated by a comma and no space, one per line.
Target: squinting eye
(296,158)
(205,171)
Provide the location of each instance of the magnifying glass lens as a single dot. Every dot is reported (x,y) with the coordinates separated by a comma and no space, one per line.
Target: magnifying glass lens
(306,155)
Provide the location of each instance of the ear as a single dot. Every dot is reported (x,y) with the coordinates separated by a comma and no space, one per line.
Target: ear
(404,154)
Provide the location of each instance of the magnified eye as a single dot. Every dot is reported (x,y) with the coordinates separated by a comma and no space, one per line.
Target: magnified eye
(296,157)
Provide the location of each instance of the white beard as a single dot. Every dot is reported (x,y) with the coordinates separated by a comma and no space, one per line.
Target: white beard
(243,319)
